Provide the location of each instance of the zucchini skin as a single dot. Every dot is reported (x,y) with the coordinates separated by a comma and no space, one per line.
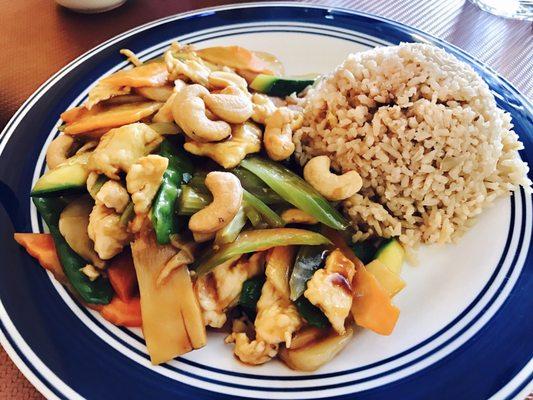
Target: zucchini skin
(279,86)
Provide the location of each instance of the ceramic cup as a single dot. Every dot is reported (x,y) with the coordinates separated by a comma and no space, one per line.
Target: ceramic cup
(90,6)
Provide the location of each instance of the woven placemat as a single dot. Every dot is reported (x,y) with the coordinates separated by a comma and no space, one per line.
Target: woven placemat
(13,385)
(503,44)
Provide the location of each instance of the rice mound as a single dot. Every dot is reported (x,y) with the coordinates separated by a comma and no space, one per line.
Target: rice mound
(425,134)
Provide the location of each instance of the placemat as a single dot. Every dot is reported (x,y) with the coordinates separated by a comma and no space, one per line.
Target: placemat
(38,38)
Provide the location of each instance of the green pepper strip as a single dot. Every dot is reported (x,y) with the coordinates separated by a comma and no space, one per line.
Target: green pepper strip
(257,240)
(164,211)
(256,186)
(271,218)
(295,190)
(96,292)
(312,314)
(250,294)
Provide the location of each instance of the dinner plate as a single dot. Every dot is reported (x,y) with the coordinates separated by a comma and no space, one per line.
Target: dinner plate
(465,329)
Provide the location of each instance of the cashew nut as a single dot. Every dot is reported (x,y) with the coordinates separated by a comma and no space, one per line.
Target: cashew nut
(58,150)
(297,216)
(231,104)
(189,112)
(333,187)
(278,134)
(227,198)
(222,79)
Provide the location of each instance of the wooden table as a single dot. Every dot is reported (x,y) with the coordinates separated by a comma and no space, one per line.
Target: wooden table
(37,38)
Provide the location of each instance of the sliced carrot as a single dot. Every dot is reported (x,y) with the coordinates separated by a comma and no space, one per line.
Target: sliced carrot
(371,307)
(234,57)
(100,116)
(152,74)
(123,313)
(42,247)
(73,114)
(121,274)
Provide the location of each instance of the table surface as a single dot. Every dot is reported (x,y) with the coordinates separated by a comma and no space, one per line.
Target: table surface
(38,38)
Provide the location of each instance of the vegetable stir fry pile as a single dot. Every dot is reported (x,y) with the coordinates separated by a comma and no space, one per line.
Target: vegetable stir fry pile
(173,204)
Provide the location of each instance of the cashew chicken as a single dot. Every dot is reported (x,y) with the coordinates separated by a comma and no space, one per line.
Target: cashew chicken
(227,199)
(230,104)
(223,79)
(143,181)
(263,107)
(278,134)
(333,187)
(245,139)
(189,113)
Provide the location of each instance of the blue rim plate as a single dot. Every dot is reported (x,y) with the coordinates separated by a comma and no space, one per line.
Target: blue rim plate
(467,337)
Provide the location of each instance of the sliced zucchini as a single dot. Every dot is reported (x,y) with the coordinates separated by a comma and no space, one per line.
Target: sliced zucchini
(66,178)
(281,86)
(392,255)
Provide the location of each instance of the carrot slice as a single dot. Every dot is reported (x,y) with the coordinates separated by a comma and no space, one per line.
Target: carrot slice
(123,313)
(234,57)
(42,247)
(99,116)
(121,274)
(371,307)
(152,74)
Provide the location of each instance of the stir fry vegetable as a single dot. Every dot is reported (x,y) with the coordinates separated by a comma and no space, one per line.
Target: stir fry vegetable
(159,218)
(257,187)
(312,314)
(192,200)
(179,171)
(230,232)
(270,217)
(295,190)
(250,294)
(94,292)
(308,260)
(258,240)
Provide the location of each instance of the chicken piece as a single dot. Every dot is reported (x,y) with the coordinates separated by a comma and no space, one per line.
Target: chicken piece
(330,289)
(263,108)
(188,65)
(143,181)
(120,148)
(245,139)
(205,290)
(113,195)
(121,82)
(229,280)
(253,352)
(106,231)
(277,318)
(220,289)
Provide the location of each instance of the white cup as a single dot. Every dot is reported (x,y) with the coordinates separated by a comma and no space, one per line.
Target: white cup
(90,6)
